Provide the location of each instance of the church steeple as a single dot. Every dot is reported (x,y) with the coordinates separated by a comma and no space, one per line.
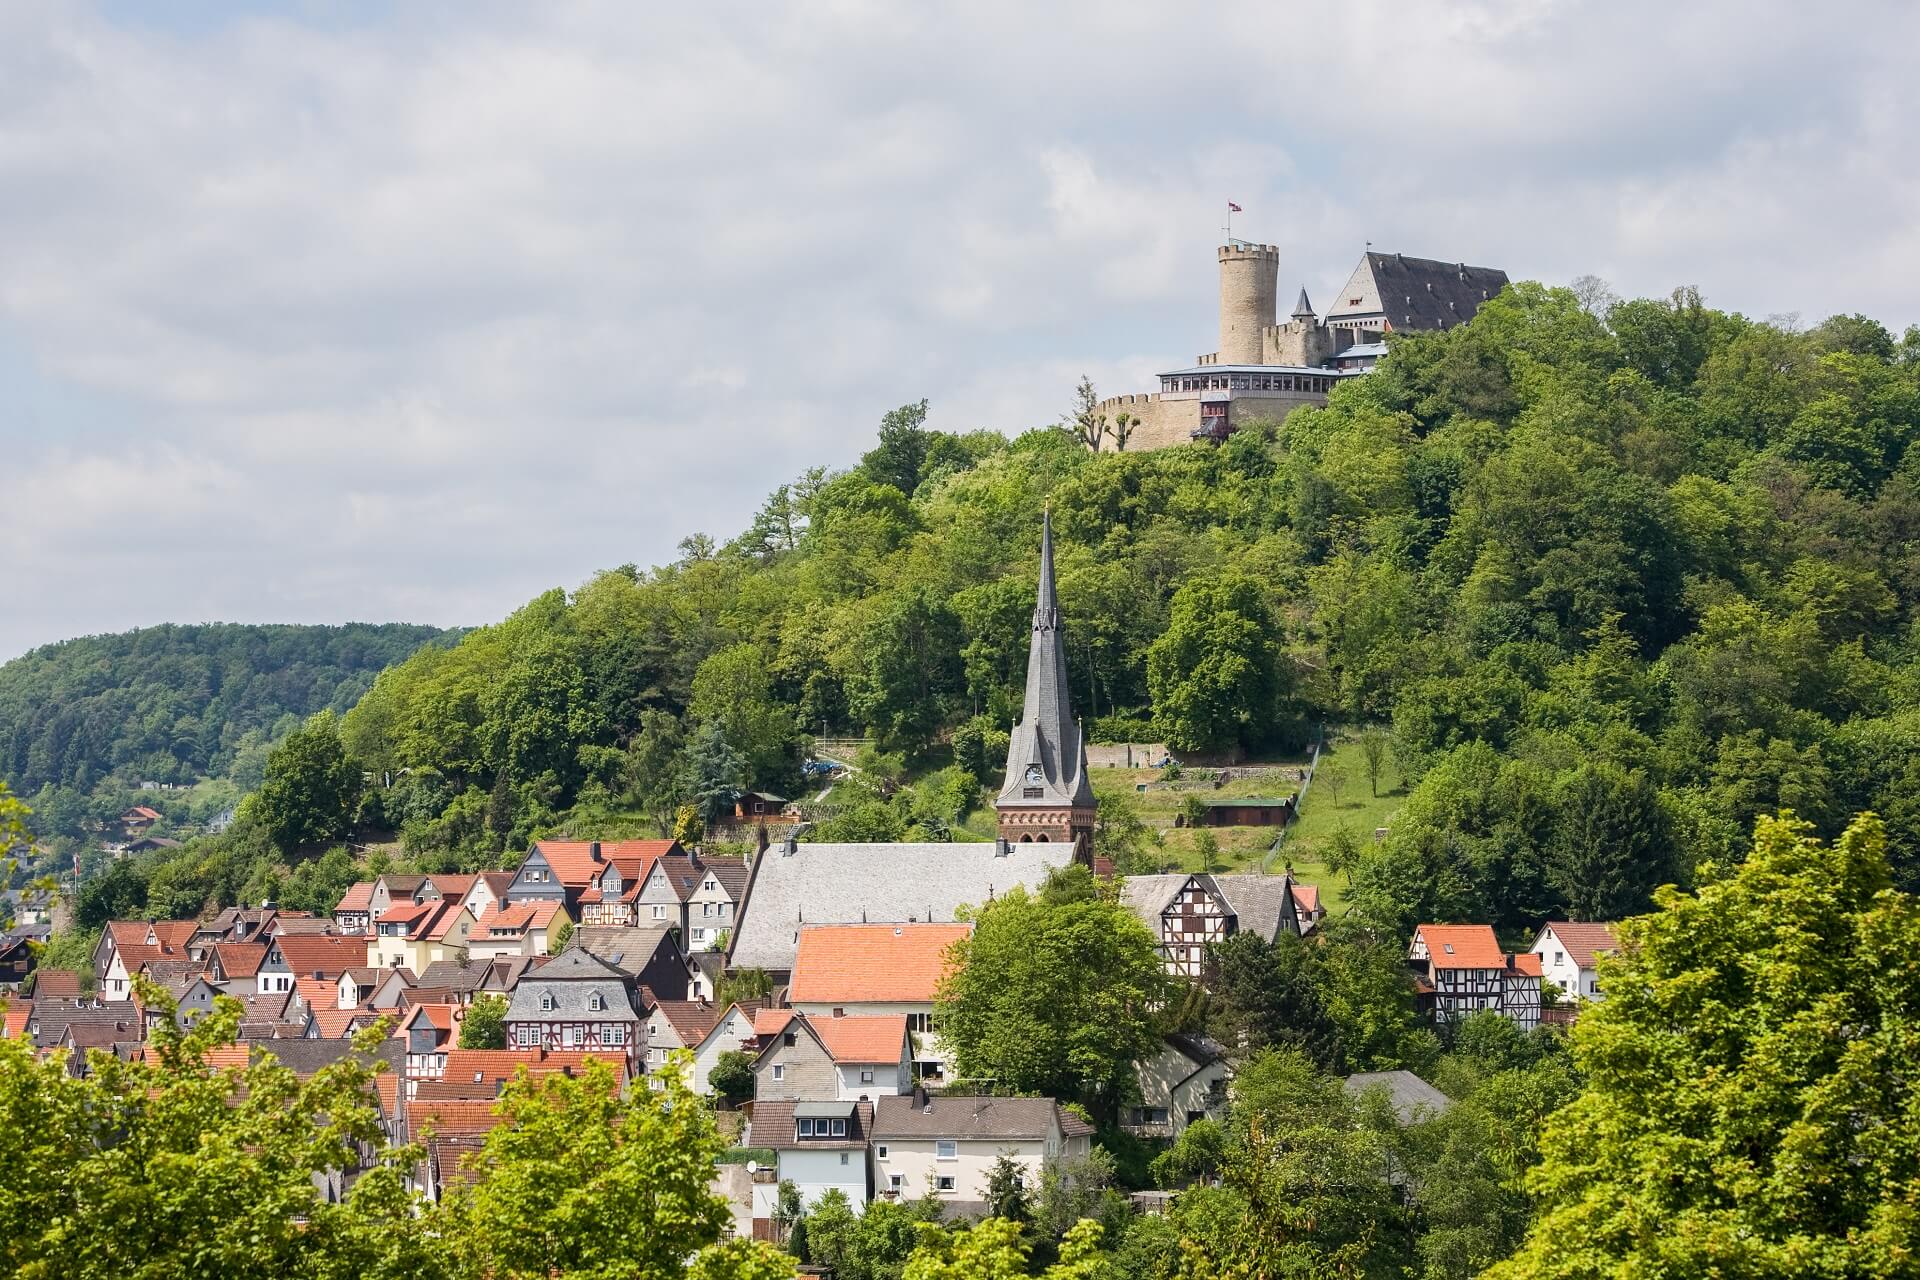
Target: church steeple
(1046,794)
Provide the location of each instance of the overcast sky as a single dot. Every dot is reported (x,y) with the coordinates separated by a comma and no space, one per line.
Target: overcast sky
(322,312)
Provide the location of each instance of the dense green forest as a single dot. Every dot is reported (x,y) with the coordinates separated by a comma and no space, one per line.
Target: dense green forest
(84,722)
(1618,578)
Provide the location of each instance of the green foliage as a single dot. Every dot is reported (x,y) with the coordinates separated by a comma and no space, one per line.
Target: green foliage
(1216,673)
(743,984)
(1053,998)
(485,1026)
(311,788)
(1743,1108)
(200,1171)
(84,722)
(1269,994)
(732,1076)
(582,1181)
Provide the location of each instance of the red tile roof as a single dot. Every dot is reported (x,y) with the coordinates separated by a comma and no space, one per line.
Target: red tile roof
(1307,897)
(318,993)
(1584,941)
(240,959)
(516,918)
(481,1072)
(856,963)
(690,1019)
(857,1039)
(63,984)
(325,954)
(1526,962)
(1462,946)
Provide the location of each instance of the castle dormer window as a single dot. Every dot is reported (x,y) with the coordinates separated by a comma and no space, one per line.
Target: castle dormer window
(597,1002)
(546,1002)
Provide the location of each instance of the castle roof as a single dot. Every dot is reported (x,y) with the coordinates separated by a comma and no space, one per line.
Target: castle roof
(1047,739)
(1303,309)
(1415,293)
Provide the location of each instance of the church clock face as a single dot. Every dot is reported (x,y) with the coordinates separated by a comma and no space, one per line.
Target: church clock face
(1034,775)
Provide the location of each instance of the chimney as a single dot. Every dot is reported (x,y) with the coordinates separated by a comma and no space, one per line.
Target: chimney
(761,838)
(593,850)
(1002,848)
(920,1100)
(789,847)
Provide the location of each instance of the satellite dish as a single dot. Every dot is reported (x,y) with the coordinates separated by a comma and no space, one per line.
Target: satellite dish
(753,1167)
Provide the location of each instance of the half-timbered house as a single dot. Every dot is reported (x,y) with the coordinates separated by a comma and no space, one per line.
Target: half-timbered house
(577,1001)
(1188,913)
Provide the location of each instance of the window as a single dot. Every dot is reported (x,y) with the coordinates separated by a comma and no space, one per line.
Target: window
(1559,957)
(880,1151)
(788,1039)
(1031,793)
(699,935)
(944,1182)
(895,1181)
(616,1035)
(779,1071)
(806,1127)
(575,1035)
(946,1150)
(706,908)
(866,1077)
(710,885)
(596,1002)
(839,1128)
(546,1002)
(843,1157)
(659,911)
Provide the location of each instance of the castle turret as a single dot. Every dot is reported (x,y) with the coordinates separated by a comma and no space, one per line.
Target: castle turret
(1046,795)
(1249,283)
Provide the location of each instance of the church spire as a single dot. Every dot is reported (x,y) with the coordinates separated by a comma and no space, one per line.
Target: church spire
(1046,793)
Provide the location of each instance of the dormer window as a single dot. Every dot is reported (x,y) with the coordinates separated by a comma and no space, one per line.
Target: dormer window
(546,1002)
(596,1002)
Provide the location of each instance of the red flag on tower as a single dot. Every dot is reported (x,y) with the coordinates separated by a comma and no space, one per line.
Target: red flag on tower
(1234,208)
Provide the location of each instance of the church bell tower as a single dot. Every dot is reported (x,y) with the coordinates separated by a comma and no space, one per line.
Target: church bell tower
(1046,795)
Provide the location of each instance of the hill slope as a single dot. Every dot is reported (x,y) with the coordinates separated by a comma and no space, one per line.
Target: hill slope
(88,718)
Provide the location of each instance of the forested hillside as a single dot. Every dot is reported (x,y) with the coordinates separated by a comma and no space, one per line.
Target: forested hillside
(1617,577)
(85,721)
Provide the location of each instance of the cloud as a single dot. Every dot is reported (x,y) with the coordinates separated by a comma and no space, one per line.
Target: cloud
(414,313)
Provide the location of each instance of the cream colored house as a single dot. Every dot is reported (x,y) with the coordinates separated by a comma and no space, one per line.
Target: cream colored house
(414,935)
(1184,1082)
(949,1145)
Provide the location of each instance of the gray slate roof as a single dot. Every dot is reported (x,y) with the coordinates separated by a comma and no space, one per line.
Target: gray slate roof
(874,883)
(1047,735)
(1412,1098)
(573,978)
(973,1117)
(1417,293)
(624,948)
(731,874)
(1258,901)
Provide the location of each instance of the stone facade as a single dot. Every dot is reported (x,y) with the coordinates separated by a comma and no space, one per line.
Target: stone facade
(1266,368)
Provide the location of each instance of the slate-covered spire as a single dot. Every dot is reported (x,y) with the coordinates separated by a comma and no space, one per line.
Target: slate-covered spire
(1047,739)
(1303,309)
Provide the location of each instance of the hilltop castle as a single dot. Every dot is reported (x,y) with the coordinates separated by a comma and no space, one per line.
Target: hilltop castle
(1265,369)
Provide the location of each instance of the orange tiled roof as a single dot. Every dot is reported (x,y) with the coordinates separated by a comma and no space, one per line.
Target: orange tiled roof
(862,1039)
(452,1117)
(771,1022)
(358,897)
(573,863)
(1463,946)
(18,1011)
(338,1024)
(318,993)
(1526,962)
(1307,897)
(854,963)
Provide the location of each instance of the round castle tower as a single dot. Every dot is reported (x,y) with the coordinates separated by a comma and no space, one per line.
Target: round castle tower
(1249,279)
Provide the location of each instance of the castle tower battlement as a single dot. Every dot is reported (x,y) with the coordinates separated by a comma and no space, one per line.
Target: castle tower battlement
(1249,299)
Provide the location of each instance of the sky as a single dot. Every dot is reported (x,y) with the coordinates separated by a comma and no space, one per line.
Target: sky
(353,312)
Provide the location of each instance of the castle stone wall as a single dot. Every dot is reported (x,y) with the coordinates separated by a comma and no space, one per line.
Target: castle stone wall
(1249,279)
(1162,422)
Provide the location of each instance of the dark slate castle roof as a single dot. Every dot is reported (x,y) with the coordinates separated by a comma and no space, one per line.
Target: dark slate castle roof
(1416,293)
(1047,734)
